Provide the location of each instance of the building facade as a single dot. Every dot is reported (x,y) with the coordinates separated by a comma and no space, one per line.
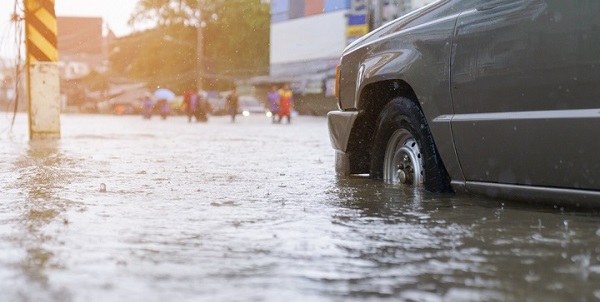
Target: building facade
(308,37)
(83,48)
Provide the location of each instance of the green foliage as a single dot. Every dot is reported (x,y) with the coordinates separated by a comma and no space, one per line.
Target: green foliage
(236,43)
(239,37)
(161,57)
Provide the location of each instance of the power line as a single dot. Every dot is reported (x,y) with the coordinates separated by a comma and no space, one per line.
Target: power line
(15,29)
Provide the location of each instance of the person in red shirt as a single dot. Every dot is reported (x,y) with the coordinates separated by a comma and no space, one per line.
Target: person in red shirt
(286,103)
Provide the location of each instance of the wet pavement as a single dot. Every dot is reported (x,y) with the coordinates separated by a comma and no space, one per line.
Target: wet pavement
(253,211)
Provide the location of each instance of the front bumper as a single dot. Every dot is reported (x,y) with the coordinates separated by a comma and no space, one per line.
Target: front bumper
(340,125)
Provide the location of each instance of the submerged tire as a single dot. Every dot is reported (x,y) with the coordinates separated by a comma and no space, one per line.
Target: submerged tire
(403,150)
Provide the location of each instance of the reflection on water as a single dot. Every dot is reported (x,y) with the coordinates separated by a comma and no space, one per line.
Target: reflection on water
(462,248)
(253,212)
(43,173)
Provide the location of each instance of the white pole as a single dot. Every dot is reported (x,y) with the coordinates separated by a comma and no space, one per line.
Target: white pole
(42,70)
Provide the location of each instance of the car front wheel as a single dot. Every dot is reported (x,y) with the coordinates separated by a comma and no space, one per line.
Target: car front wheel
(403,150)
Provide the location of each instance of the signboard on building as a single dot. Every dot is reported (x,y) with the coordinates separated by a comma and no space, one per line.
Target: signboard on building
(358,23)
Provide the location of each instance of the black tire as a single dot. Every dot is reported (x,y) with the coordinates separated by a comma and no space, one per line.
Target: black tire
(404,147)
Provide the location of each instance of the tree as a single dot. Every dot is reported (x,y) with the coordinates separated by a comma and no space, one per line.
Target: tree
(238,37)
(167,12)
(161,57)
(236,43)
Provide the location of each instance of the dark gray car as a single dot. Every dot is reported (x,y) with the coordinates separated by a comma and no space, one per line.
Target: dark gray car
(494,97)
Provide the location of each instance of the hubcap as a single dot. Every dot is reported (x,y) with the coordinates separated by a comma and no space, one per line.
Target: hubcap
(403,162)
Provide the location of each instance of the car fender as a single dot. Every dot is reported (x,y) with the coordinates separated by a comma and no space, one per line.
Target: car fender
(416,62)
(391,65)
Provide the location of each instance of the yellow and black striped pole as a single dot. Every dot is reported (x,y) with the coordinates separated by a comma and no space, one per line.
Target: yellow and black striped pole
(42,69)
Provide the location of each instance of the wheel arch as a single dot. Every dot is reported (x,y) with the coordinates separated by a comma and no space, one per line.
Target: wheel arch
(372,99)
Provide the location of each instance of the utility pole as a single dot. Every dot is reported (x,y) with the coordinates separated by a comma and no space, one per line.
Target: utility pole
(377,6)
(199,48)
(43,82)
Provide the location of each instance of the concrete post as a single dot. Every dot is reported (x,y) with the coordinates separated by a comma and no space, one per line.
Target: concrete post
(42,70)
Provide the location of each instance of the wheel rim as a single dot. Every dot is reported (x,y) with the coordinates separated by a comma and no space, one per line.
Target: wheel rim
(403,162)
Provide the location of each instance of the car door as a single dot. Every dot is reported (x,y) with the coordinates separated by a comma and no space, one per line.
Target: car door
(525,84)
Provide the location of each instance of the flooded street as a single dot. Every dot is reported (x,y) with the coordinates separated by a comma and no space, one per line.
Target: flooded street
(253,211)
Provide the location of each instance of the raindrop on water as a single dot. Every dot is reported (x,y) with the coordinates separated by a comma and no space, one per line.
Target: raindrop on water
(532,277)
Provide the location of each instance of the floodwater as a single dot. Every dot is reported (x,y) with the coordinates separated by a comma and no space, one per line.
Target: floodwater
(253,211)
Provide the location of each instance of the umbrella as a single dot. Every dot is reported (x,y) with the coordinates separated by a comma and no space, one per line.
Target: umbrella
(164,93)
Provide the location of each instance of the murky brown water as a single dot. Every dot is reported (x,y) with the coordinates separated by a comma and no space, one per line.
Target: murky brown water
(253,212)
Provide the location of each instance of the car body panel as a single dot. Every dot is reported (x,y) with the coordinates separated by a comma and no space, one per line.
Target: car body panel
(340,124)
(376,47)
(414,53)
(510,90)
(525,79)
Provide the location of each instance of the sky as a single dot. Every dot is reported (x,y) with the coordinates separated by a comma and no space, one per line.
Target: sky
(115,14)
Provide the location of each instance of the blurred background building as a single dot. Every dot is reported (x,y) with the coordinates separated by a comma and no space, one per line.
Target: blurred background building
(83,51)
(83,46)
(308,37)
